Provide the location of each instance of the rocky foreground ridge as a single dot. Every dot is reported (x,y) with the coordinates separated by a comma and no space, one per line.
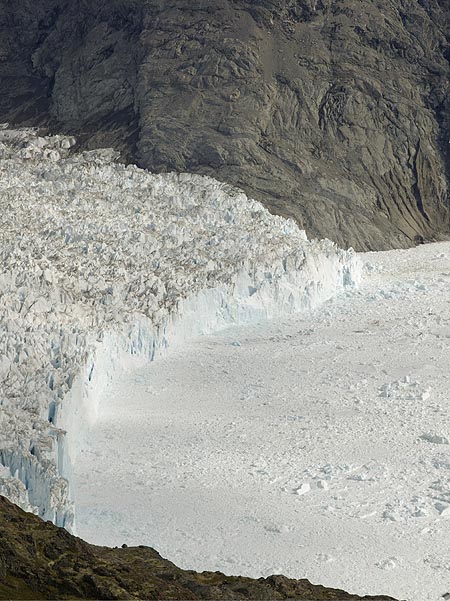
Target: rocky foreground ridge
(41,561)
(334,112)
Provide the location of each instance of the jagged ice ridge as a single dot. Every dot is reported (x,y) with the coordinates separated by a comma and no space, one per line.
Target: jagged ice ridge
(103,264)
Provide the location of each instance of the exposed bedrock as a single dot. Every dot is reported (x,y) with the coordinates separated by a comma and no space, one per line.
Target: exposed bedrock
(334,112)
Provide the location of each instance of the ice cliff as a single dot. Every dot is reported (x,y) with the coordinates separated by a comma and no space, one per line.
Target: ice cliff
(103,263)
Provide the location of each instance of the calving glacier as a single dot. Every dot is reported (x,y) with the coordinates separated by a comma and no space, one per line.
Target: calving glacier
(104,264)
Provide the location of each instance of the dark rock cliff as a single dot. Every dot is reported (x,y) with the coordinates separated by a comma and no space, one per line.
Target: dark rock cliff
(40,561)
(334,112)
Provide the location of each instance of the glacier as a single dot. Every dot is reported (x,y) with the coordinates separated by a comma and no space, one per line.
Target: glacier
(105,264)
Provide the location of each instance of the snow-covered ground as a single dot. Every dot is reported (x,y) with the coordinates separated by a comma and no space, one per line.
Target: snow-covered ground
(105,265)
(315,446)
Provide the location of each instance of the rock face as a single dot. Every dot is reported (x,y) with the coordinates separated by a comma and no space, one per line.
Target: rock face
(334,112)
(40,561)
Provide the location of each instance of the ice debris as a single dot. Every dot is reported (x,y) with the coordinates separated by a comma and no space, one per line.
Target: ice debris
(434,438)
(405,389)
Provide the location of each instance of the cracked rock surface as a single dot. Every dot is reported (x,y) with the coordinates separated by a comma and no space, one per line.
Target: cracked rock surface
(333,112)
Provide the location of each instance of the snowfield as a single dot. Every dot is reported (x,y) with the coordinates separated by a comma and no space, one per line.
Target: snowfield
(315,446)
(103,267)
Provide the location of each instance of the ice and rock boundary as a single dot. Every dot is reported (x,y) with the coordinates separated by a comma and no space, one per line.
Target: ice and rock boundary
(103,264)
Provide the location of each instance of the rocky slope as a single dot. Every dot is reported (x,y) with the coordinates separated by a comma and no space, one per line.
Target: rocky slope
(40,561)
(335,112)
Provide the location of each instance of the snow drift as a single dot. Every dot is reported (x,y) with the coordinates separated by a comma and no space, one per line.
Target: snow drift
(104,263)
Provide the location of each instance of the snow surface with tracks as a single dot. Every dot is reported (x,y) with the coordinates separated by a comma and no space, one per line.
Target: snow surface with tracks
(315,446)
(104,266)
